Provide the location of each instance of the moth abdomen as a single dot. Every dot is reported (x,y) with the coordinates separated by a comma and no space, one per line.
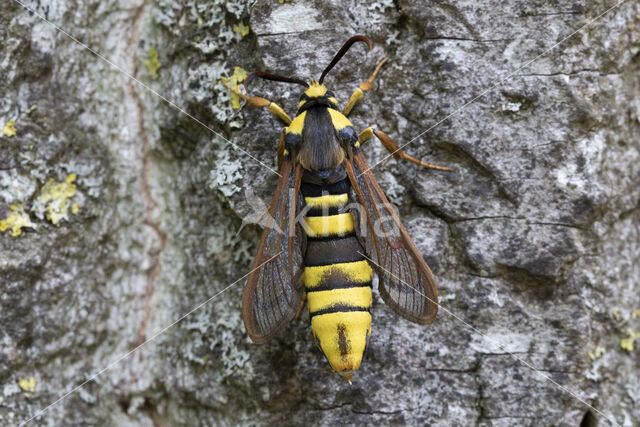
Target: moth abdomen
(337,277)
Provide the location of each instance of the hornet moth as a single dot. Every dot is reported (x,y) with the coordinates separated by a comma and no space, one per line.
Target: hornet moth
(348,229)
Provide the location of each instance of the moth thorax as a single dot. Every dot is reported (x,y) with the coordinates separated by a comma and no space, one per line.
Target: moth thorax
(320,148)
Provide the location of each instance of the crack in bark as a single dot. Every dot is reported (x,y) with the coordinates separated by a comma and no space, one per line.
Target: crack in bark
(453,371)
(151,411)
(481,391)
(497,417)
(458,16)
(330,408)
(145,179)
(377,412)
(489,217)
(286,33)
(569,74)
(465,39)
(568,12)
(482,169)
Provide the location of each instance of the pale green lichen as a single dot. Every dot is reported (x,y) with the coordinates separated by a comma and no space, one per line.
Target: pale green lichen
(378,12)
(226,245)
(9,129)
(226,175)
(152,62)
(55,198)
(16,220)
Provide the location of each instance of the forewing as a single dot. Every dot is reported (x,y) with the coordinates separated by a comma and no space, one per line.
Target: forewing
(405,281)
(273,295)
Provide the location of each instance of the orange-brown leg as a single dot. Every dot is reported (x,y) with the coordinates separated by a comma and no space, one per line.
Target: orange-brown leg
(280,150)
(398,153)
(258,102)
(365,86)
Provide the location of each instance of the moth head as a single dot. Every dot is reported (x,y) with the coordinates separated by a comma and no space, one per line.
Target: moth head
(316,94)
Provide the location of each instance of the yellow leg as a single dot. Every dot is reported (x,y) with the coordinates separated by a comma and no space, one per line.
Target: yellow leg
(365,86)
(398,154)
(257,102)
(364,136)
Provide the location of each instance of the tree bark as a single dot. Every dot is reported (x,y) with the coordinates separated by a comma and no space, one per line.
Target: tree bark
(122,199)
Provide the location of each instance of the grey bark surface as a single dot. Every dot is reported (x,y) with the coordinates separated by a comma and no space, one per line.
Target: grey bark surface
(534,238)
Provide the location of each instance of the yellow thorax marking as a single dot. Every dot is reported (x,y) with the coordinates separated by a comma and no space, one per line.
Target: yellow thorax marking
(328,201)
(356,272)
(321,226)
(315,90)
(297,124)
(339,120)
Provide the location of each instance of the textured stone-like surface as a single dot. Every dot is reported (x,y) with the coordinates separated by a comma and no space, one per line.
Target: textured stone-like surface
(534,238)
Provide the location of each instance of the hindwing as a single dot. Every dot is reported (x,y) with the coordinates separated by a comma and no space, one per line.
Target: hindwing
(406,283)
(273,293)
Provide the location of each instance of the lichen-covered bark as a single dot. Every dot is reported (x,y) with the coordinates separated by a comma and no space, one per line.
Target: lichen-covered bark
(534,238)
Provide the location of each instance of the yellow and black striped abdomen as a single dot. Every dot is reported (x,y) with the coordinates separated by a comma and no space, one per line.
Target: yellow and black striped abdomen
(337,278)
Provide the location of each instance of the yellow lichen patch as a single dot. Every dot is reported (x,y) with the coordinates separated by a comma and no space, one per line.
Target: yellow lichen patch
(241,29)
(10,128)
(635,313)
(239,74)
(597,353)
(27,384)
(56,198)
(16,220)
(75,208)
(283,1)
(627,343)
(152,62)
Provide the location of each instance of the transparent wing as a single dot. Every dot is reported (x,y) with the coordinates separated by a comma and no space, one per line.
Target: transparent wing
(273,294)
(406,283)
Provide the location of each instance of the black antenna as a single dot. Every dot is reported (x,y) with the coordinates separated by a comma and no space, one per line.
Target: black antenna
(344,50)
(273,77)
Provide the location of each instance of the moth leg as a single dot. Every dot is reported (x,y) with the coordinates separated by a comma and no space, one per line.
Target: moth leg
(281,150)
(258,102)
(364,136)
(393,148)
(302,301)
(365,86)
